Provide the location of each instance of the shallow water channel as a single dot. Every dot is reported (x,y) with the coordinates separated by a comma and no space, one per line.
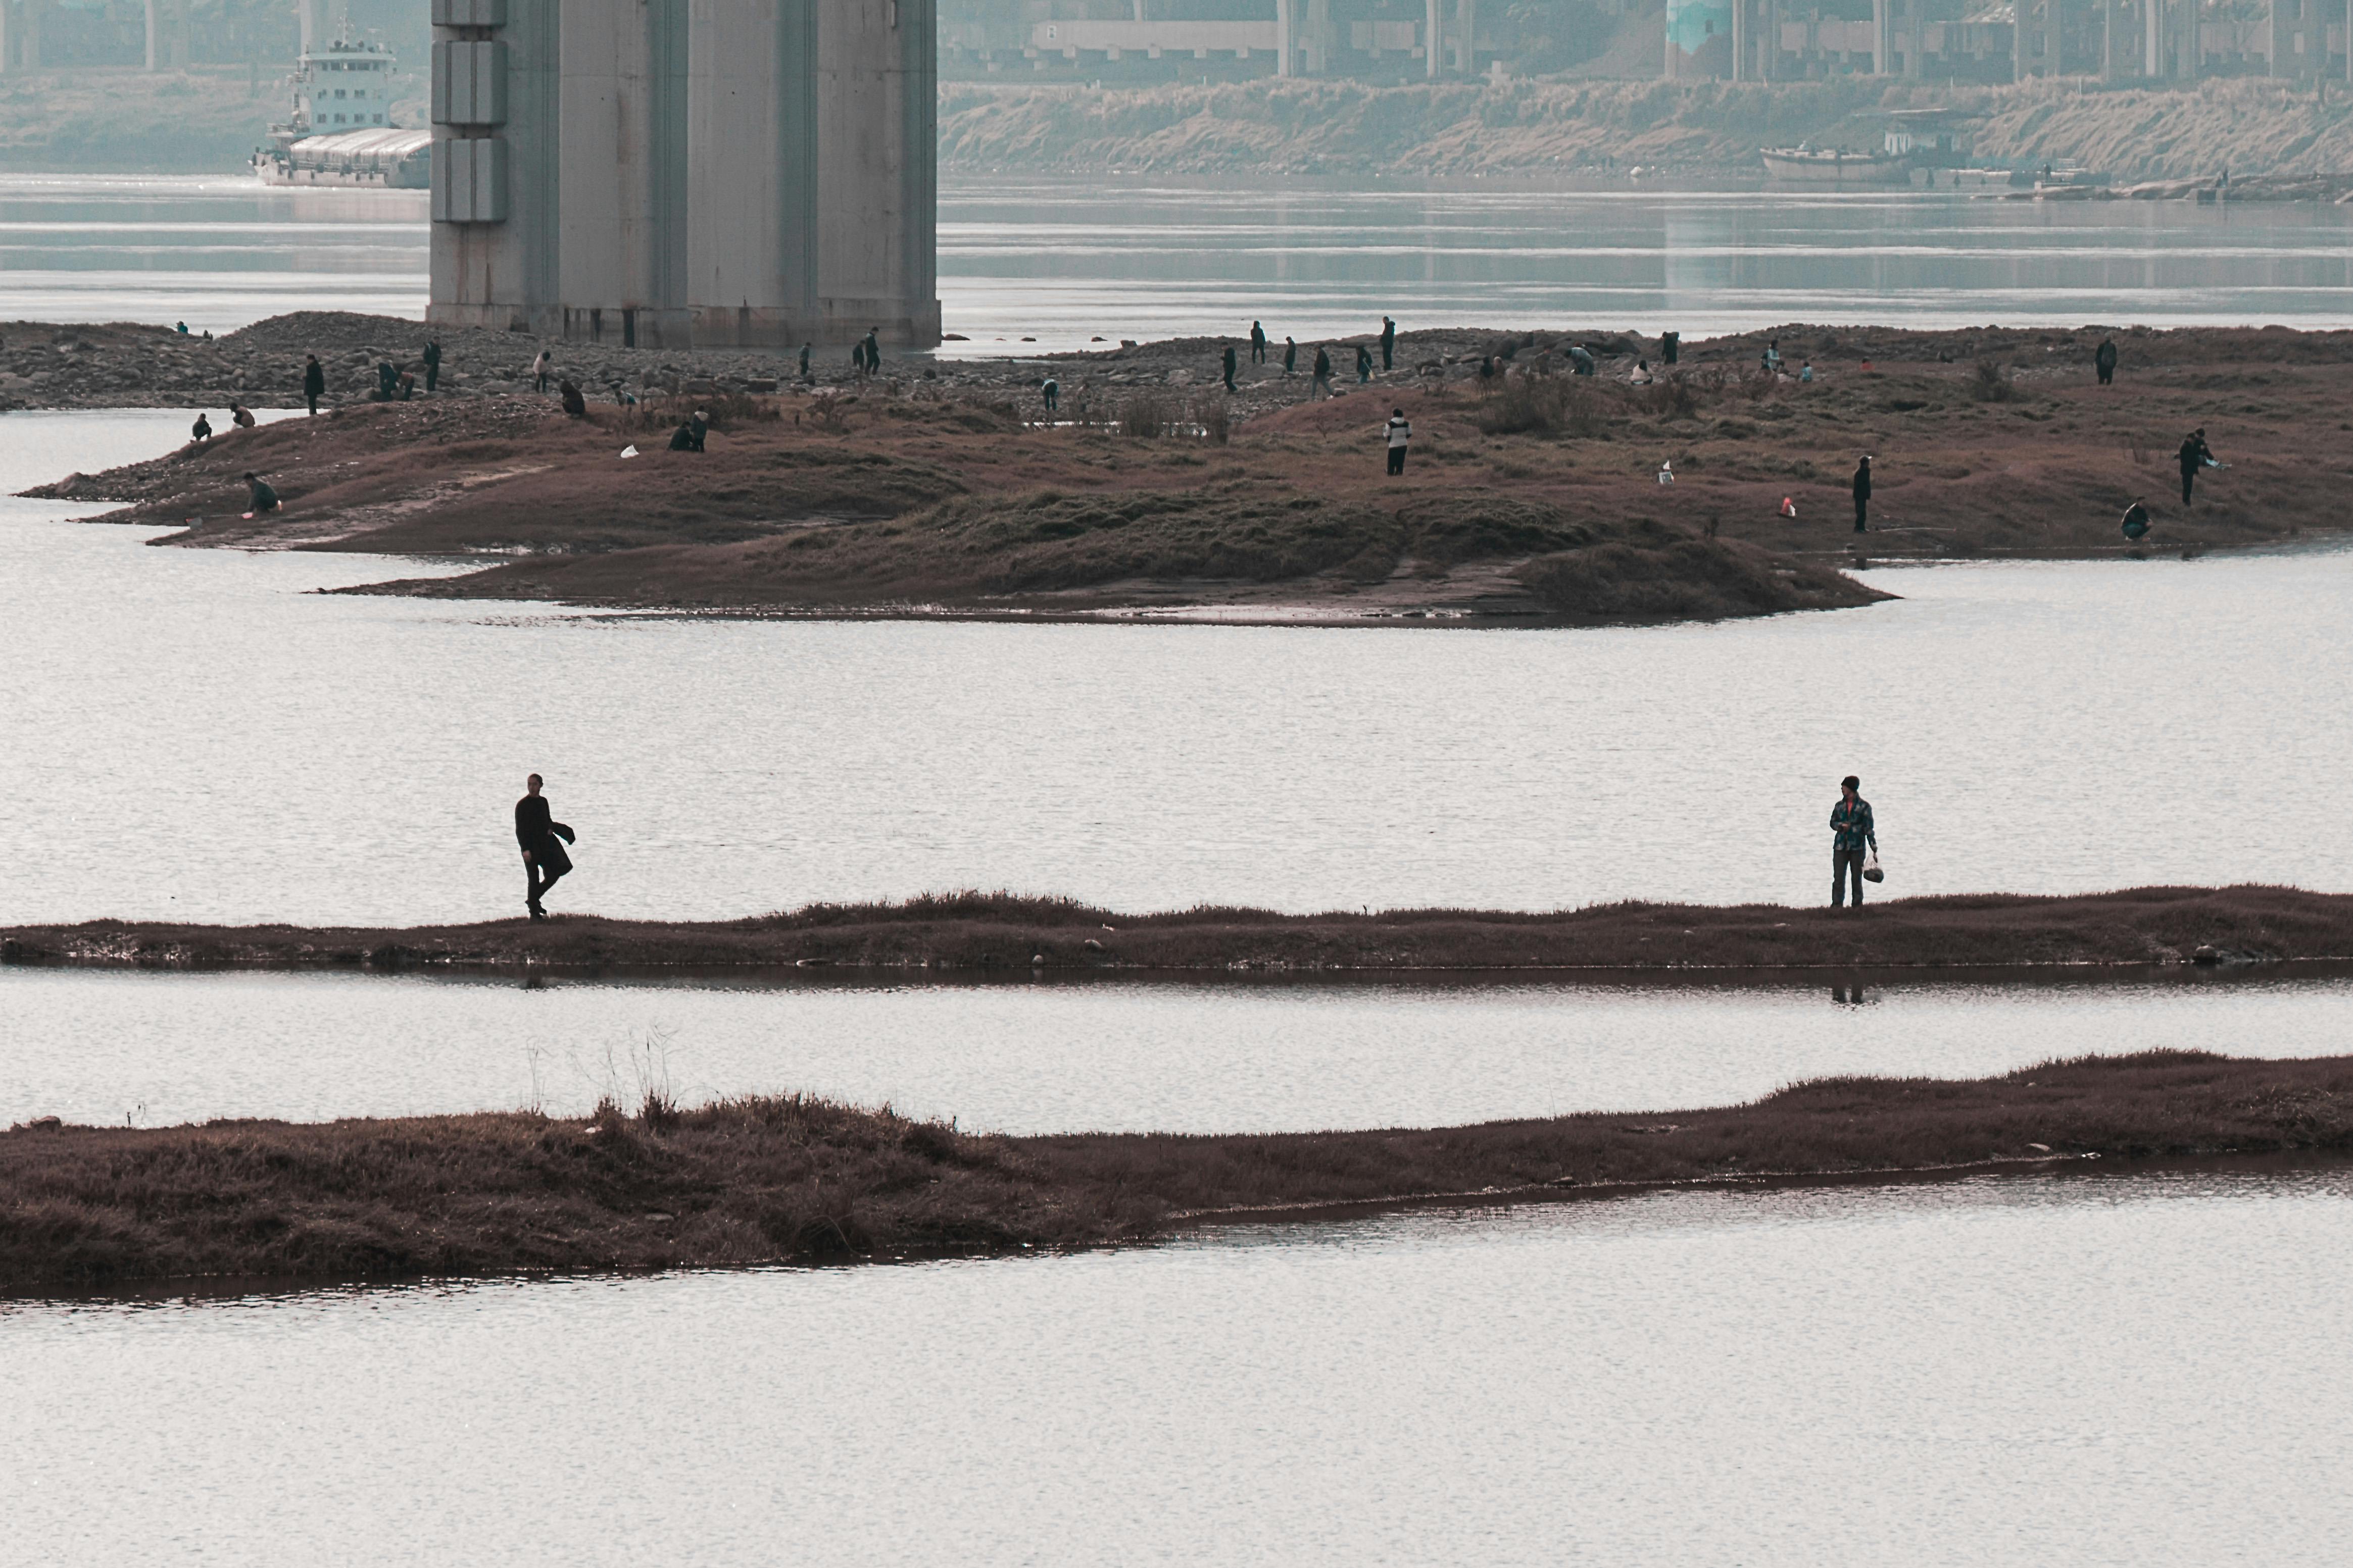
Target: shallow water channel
(157,1049)
(198,734)
(2020,1370)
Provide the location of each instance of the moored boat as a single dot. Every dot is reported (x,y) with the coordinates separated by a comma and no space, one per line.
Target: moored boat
(341,131)
(1808,166)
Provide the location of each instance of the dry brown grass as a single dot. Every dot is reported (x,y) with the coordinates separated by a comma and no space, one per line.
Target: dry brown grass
(2140,926)
(2029,457)
(802,1180)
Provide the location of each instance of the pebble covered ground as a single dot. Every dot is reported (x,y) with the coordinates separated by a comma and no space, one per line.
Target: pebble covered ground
(44,365)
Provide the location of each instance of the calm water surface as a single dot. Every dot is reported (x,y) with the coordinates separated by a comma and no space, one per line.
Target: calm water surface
(2119,1371)
(165,1048)
(196,733)
(1064,261)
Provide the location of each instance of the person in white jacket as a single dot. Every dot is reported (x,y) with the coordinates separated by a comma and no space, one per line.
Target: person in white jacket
(1400,431)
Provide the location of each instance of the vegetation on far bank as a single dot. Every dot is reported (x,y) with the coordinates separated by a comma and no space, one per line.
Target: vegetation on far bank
(1545,127)
(800,1180)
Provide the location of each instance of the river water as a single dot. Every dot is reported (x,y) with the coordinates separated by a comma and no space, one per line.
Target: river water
(160,1049)
(198,734)
(2017,1371)
(2025,1370)
(1056,262)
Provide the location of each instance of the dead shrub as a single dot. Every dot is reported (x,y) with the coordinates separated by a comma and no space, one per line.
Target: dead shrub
(1146,417)
(721,409)
(1543,405)
(1990,384)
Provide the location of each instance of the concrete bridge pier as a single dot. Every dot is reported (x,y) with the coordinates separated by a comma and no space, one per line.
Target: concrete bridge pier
(667,173)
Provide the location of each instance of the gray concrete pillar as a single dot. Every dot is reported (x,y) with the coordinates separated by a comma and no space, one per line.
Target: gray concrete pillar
(1284,43)
(1880,62)
(724,172)
(1433,41)
(505,275)
(1740,40)
(306,18)
(1320,37)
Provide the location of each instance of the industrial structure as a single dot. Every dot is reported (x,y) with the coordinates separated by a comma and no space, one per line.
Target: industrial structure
(2113,40)
(686,172)
(174,35)
(1747,41)
(1372,40)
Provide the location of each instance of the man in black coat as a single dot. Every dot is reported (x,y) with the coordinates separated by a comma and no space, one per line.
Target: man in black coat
(1389,342)
(314,383)
(543,840)
(2195,455)
(432,364)
(1862,493)
(2103,360)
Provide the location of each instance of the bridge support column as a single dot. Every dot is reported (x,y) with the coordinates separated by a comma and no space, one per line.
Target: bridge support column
(668,172)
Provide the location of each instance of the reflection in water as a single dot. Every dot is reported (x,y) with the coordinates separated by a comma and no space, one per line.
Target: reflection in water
(2026,1371)
(1111,1056)
(1067,260)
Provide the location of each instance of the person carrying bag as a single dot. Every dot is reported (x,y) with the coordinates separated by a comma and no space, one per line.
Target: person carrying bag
(1853,835)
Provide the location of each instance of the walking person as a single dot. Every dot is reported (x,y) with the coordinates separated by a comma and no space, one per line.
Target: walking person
(314,383)
(1364,364)
(1258,343)
(1861,492)
(2103,360)
(1319,385)
(542,368)
(432,364)
(1229,367)
(1852,829)
(2195,455)
(1400,431)
(543,840)
(1388,341)
(1290,357)
(874,349)
(805,353)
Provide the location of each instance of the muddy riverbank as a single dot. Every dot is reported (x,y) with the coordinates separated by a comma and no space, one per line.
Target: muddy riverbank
(1531,495)
(998,932)
(800,1180)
